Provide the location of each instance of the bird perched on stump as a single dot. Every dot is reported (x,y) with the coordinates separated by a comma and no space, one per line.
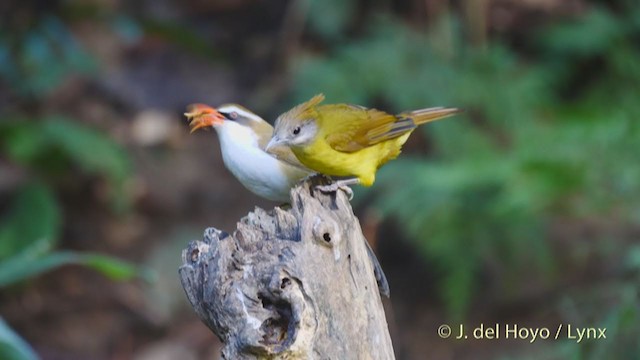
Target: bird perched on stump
(243,136)
(347,140)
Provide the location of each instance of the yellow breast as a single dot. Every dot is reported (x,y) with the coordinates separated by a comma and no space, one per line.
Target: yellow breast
(363,163)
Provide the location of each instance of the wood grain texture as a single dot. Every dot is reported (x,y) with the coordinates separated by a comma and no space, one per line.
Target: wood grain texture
(290,284)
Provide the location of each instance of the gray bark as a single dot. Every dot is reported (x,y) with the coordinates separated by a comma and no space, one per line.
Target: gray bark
(290,284)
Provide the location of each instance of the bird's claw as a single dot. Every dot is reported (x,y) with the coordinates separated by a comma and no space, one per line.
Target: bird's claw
(334,187)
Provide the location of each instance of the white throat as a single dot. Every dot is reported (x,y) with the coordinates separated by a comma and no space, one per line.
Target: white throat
(258,171)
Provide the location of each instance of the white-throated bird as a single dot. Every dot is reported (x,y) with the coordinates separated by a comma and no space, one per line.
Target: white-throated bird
(243,137)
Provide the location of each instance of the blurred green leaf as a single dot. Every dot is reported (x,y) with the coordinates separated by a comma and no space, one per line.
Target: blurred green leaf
(114,268)
(633,258)
(30,232)
(587,35)
(43,58)
(12,346)
(128,28)
(180,35)
(330,18)
(34,220)
(90,149)
(22,140)
(55,142)
(24,266)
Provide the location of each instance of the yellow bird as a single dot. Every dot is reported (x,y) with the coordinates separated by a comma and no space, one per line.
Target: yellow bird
(347,140)
(243,136)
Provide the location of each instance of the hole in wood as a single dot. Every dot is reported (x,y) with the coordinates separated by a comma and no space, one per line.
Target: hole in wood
(277,329)
(274,331)
(284,283)
(327,237)
(194,255)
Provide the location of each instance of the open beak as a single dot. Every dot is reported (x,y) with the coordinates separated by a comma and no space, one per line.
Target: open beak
(201,115)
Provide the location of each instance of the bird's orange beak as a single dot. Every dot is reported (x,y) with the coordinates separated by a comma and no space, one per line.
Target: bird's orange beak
(201,115)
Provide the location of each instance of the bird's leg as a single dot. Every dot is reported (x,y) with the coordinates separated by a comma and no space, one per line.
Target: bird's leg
(340,185)
(308,177)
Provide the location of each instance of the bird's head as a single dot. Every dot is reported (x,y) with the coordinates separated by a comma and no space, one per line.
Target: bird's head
(297,127)
(201,116)
(241,116)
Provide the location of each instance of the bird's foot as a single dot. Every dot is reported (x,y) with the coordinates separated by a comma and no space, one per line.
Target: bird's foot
(334,188)
(339,185)
(311,176)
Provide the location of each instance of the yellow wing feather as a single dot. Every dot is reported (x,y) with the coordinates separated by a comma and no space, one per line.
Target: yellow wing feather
(352,127)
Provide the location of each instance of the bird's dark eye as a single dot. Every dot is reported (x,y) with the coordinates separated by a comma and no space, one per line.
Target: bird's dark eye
(230,115)
(296,130)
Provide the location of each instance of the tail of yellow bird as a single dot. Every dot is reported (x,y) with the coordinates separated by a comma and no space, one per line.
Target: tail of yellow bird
(424,116)
(409,120)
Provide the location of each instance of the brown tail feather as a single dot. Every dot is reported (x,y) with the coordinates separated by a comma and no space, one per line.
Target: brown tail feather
(424,116)
(407,121)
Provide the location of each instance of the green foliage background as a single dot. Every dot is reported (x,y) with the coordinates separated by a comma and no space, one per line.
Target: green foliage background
(548,137)
(33,63)
(534,187)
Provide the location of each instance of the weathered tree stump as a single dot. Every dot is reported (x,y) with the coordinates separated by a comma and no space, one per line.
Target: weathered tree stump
(288,284)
